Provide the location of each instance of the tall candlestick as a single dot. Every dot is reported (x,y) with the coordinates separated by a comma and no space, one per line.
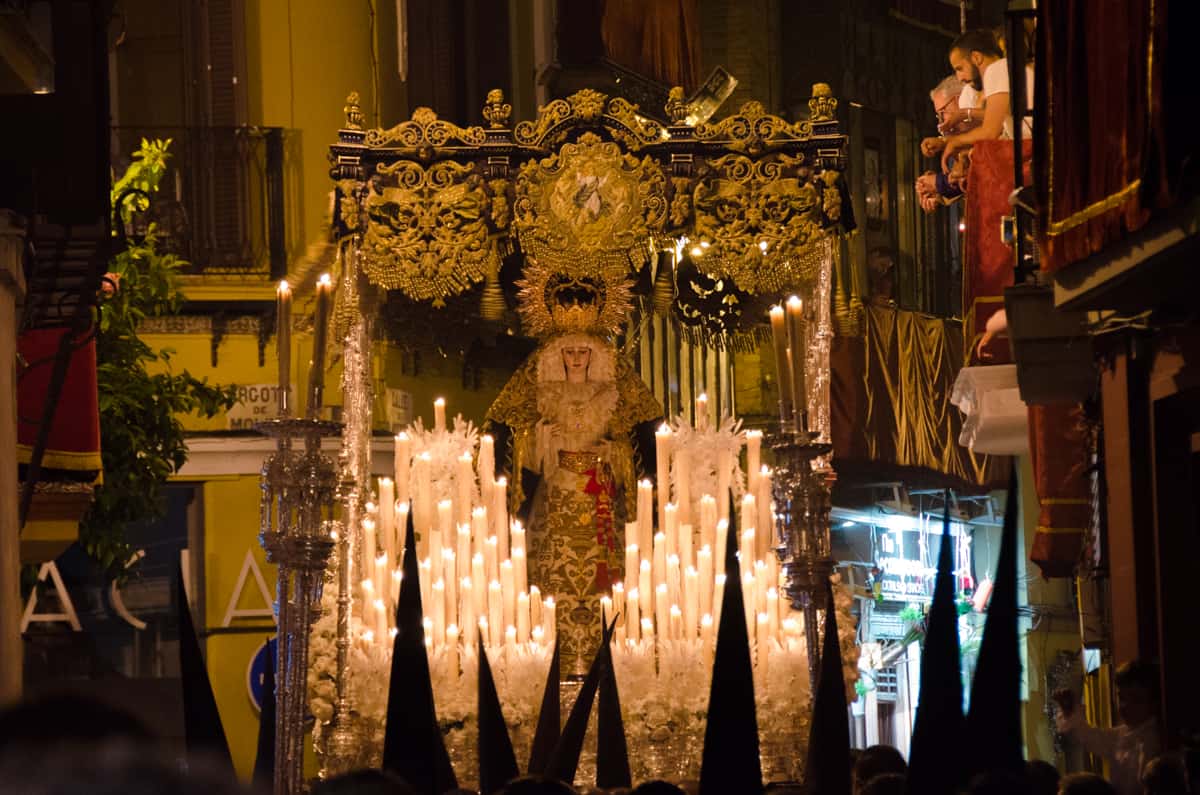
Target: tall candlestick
(706,634)
(724,478)
(491,559)
(480,581)
(763,637)
(499,515)
(450,577)
(283,345)
(704,571)
(676,623)
(479,529)
(633,615)
(632,566)
(535,607)
(485,634)
(659,572)
(799,349)
(439,414)
(486,467)
(746,553)
(718,597)
(466,608)
(748,600)
(674,586)
(749,512)
(721,548)
(702,411)
(437,554)
(509,592)
(773,611)
(783,366)
(438,611)
(510,639)
(423,571)
(662,449)
(424,517)
(387,516)
(517,535)
(685,546)
(495,611)
(645,514)
(646,587)
(683,486)
(520,569)
(618,597)
(316,369)
(753,459)
(397,578)
(463,556)
(401,465)
(671,528)
(401,527)
(766,517)
(662,610)
(691,603)
(522,618)
(536,633)
(381,619)
(606,610)
(648,630)
(452,648)
(464,488)
(549,621)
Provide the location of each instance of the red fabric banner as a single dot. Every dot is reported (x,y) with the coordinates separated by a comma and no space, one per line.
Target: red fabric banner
(1058,446)
(74,441)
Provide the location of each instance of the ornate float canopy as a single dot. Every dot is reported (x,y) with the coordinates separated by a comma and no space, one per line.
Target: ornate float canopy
(589,185)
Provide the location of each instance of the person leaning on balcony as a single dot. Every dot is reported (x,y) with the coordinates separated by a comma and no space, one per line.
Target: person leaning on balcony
(1130,745)
(959,108)
(978,61)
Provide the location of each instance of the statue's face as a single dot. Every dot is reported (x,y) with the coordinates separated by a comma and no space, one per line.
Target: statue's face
(576,360)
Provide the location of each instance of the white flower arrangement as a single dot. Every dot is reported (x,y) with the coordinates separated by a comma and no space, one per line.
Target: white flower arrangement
(703,448)
(444,449)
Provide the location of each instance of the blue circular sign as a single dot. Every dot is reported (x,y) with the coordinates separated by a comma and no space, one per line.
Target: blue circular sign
(257,670)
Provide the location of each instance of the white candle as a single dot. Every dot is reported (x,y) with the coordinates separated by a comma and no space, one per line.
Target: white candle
(535,607)
(463,556)
(402,509)
(366,590)
(760,586)
(748,600)
(632,567)
(438,612)
(464,488)
(662,449)
(382,572)
(549,624)
(746,552)
(439,414)
(480,581)
(708,522)
(381,618)
(671,528)
(467,610)
(452,648)
(437,554)
(718,597)
(485,634)
(674,578)
(424,500)
(683,486)
(645,586)
(721,548)
(509,592)
(702,410)
(632,614)
(648,630)
(763,637)
(766,517)
(798,346)
(523,618)
(316,371)
(510,639)
(724,473)
(606,611)
(783,367)
(618,598)
(773,612)
(749,513)
(753,457)
(659,572)
(424,569)
(387,516)
(520,570)
(662,610)
(479,530)
(691,603)
(400,465)
(486,467)
(517,537)
(499,516)
(495,613)
(283,345)
(645,514)
(676,623)
(450,577)
(685,546)
(397,578)
(491,559)
(537,634)
(370,536)
(704,570)
(706,634)
(445,517)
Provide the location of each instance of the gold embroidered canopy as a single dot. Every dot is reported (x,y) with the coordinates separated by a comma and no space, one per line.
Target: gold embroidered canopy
(588,185)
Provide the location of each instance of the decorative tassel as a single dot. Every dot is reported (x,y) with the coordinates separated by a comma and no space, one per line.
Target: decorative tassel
(491,303)
(664,287)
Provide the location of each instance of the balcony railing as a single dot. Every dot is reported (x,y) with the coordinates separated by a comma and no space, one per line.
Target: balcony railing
(223,201)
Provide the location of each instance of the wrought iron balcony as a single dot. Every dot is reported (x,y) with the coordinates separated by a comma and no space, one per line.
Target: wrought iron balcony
(223,201)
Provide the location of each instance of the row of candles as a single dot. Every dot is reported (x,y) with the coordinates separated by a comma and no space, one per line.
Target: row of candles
(473,560)
(283,346)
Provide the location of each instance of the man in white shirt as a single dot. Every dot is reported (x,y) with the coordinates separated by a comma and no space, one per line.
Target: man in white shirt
(1129,746)
(979,62)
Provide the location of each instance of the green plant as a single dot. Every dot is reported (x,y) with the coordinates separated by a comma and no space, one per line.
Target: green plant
(142,439)
(912,612)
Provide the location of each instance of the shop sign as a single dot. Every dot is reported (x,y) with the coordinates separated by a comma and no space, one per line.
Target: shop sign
(256,402)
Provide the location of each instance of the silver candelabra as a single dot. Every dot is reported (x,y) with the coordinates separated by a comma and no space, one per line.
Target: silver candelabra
(298,487)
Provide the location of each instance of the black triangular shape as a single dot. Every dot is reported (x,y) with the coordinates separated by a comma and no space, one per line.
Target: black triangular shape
(413,747)
(264,760)
(730,760)
(497,762)
(565,759)
(203,732)
(827,769)
(545,737)
(612,750)
(936,755)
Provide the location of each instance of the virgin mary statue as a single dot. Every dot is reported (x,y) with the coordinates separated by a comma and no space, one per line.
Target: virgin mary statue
(577,424)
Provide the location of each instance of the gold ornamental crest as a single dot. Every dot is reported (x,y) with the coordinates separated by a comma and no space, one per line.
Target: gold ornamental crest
(590,203)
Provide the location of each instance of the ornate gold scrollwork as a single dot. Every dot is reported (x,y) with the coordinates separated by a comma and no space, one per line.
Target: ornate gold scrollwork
(752,130)
(426,131)
(822,106)
(428,236)
(758,217)
(589,107)
(590,202)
